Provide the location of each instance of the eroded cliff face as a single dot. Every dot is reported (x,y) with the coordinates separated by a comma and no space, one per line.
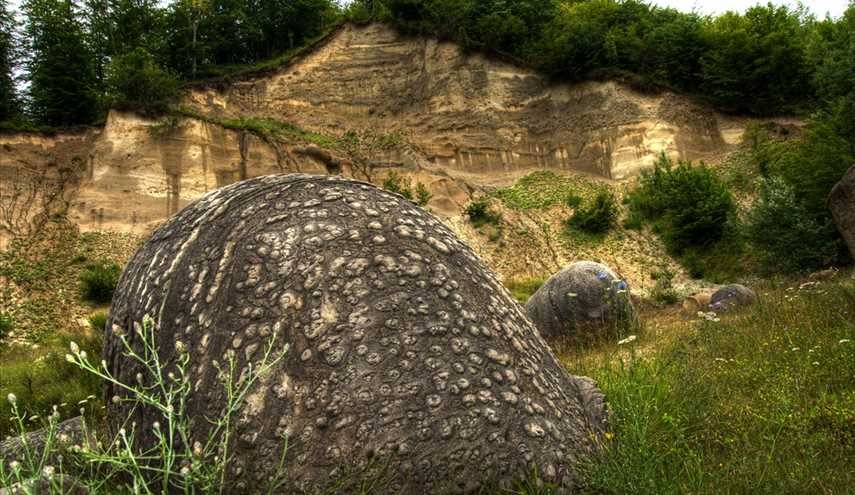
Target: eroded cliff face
(468,122)
(471,113)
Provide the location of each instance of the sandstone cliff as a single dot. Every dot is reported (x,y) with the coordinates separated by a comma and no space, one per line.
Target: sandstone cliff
(468,121)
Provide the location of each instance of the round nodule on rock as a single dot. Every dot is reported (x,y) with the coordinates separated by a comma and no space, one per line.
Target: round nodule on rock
(583,297)
(731,296)
(404,349)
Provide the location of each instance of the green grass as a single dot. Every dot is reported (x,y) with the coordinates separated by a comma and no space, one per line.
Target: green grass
(265,128)
(761,402)
(543,189)
(41,378)
(522,290)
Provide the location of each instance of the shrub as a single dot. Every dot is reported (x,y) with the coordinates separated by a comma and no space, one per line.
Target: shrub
(480,213)
(689,206)
(98,320)
(663,290)
(136,82)
(6,324)
(98,282)
(398,184)
(423,196)
(599,217)
(573,201)
(786,236)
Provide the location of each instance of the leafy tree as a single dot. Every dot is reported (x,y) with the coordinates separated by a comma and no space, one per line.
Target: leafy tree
(60,65)
(115,27)
(756,62)
(688,205)
(136,82)
(787,236)
(9,104)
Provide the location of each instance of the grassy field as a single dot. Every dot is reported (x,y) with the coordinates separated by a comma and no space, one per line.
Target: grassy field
(760,401)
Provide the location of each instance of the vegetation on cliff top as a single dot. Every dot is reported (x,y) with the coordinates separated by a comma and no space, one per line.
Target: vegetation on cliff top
(770,59)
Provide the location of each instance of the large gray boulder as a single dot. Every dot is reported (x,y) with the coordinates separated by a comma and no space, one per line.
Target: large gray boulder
(584,297)
(404,348)
(842,204)
(731,296)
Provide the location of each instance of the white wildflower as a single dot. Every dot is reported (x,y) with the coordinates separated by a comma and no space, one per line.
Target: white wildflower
(75,349)
(69,358)
(48,472)
(15,465)
(185,471)
(180,348)
(116,399)
(627,340)
(156,425)
(11,398)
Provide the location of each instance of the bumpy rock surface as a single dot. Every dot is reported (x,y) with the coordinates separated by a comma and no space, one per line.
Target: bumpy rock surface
(732,296)
(403,344)
(842,204)
(584,296)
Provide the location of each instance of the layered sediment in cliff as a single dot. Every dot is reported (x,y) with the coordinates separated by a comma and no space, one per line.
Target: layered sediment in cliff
(472,113)
(467,121)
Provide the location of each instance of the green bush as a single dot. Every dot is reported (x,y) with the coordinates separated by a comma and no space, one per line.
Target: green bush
(398,184)
(689,206)
(573,201)
(136,82)
(599,217)
(98,320)
(98,281)
(423,196)
(480,213)
(6,324)
(786,236)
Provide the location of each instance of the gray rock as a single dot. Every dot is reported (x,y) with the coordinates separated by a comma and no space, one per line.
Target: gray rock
(842,204)
(13,448)
(731,296)
(583,297)
(403,345)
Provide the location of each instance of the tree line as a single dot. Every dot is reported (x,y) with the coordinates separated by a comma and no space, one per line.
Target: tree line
(64,62)
(79,56)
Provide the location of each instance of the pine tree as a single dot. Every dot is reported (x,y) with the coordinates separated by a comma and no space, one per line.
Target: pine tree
(9,104)
(60,65)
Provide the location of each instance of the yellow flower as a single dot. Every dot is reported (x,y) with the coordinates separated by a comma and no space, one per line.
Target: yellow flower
(609,435)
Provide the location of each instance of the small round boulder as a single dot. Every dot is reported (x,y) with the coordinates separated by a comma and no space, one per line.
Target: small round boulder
(404,351)
(583,297)
(731,296)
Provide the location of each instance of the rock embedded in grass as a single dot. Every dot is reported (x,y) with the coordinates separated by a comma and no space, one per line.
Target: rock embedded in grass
(404,349)
(841,201)
(731,296)
(583,298)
